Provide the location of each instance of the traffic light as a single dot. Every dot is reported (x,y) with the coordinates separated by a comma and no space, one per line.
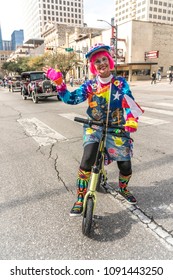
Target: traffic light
(49,48)
(69,49)
(114,31)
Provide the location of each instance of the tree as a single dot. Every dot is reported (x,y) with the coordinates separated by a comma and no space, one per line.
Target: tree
(17,67)
(36,63)
(63,61)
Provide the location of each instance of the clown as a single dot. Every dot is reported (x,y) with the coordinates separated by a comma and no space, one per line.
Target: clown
(106,95)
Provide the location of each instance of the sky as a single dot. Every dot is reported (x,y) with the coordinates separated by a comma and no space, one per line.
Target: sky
(10,15)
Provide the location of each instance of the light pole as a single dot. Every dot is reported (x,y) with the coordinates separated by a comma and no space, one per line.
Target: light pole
(114,39)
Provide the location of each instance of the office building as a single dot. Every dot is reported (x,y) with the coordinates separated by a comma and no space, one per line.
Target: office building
(160,11)
(1,44)
(6,45)
(17,38)
(37,13)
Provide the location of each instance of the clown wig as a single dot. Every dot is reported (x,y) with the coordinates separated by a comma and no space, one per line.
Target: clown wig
(95,56)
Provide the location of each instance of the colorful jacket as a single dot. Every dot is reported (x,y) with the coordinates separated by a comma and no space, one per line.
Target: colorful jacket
(122,104)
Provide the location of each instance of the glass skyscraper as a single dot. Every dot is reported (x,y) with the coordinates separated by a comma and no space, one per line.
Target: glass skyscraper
(17,38)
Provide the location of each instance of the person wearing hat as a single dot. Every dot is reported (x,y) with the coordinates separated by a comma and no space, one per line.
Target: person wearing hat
(104,92)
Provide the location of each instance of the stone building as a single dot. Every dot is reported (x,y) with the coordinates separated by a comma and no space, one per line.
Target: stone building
(142,40)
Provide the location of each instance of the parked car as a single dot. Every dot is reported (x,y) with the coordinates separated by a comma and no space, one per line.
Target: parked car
(36,85)
(14,84)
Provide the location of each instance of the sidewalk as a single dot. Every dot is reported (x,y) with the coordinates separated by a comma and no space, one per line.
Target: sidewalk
(148,82)
(133,83)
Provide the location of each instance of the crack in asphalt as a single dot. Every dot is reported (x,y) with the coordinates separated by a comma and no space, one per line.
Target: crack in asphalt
(58,174)
(149,222)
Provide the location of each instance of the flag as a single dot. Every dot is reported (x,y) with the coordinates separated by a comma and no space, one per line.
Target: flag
(128,102)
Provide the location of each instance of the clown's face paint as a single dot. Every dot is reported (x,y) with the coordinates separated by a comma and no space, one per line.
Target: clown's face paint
(102,66)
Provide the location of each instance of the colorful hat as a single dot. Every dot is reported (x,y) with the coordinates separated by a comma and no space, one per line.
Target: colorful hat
(97,48)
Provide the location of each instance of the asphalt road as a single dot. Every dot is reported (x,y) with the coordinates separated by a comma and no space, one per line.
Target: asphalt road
(41,148)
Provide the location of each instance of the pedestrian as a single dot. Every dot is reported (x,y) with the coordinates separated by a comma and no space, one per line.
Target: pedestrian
(159,77)
(153,78)
(109,97)
(170,77)
(71,81)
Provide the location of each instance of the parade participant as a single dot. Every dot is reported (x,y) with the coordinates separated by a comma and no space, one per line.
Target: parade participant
(102,92)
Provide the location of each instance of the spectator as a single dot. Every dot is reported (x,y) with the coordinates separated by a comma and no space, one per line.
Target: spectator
(153,78)
(170,77)
(159,75)
(71,81)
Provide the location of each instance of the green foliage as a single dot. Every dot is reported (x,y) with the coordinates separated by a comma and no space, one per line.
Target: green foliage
(16,67)
(61,60)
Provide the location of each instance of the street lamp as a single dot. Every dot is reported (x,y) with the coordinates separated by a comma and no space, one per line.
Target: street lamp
(114,39)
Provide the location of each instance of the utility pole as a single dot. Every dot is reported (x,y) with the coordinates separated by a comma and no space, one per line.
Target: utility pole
(113,40)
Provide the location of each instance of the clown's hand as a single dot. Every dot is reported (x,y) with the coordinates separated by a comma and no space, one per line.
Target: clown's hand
(54,75)
(131,124)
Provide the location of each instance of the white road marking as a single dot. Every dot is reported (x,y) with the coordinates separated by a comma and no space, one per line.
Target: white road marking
(152,121)
(163,104)
(40,132)
(158,111)
(70,116)
(142,119)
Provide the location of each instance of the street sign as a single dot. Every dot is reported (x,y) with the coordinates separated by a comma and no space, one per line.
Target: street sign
(151,55)
(68,49)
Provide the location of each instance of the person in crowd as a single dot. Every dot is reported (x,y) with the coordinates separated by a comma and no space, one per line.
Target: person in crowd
(109,97)
(71,81)
(170,77)
(153,78)
(159,76)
